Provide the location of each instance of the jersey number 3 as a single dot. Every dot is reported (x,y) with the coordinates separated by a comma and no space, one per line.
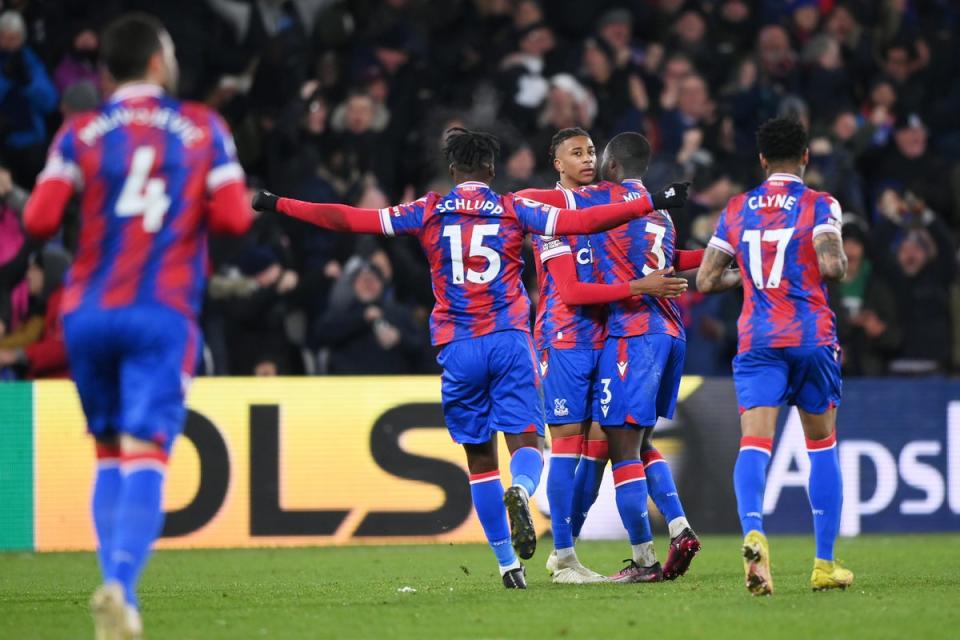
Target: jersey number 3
(480,231)
(143,195)
(754,241)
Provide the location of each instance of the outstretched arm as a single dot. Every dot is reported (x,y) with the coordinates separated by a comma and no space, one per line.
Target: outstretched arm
(336,217)
(830,255)
(604,217)
(553,197)
(713,275)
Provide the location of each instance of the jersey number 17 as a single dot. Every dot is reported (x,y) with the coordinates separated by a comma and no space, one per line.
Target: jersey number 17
(754,238)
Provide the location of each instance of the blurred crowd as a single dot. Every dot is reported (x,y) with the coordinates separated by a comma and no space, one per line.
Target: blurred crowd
(346,101)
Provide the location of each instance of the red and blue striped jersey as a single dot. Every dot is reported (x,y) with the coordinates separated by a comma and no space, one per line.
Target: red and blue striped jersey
(146,166)
(629,252)
(473,238)
(770,232)
(560,325)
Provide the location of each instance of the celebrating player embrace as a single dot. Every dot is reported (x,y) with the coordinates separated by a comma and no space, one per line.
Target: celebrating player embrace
(472,237)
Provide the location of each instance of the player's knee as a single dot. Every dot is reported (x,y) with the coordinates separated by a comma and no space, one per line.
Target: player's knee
(818,426)
(623,443)
(132,445)
(482,457)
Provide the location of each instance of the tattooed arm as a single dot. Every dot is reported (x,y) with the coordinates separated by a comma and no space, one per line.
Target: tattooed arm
(830,255)
(713,275)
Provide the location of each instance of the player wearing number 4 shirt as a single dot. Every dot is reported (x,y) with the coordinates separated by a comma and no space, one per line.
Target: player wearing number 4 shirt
(472,238)
(785,238)
(153,175)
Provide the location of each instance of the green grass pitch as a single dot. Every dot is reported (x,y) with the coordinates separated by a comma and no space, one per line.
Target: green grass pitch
(906,587)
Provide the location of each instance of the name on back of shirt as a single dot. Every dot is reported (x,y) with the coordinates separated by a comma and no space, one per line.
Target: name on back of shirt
(156,117)
(776,201)
(463,204)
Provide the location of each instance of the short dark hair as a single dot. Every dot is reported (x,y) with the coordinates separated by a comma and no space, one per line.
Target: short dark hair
(565,134)
(782,139)
(128,43)
(631,150)
(469,151)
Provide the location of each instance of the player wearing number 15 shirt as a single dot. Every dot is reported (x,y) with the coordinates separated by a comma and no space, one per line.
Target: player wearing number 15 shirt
(472,238)
(153,176)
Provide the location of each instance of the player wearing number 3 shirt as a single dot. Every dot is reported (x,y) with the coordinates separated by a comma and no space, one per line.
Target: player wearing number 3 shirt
(472,237)
(153,176)
(785,239)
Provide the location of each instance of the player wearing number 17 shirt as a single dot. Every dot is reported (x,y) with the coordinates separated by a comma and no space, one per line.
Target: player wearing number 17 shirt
(785,238)
(472,237)
(154,175)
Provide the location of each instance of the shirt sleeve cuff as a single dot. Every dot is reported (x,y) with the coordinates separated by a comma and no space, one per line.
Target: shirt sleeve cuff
(722,245)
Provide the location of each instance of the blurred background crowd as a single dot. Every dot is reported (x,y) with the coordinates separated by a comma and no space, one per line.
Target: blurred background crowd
(346,101)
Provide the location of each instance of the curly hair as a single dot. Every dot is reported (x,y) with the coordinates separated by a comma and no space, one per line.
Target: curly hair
(782,139)
(469,151)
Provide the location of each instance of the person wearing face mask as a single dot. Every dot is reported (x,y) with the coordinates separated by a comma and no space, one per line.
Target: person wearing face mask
(79,63)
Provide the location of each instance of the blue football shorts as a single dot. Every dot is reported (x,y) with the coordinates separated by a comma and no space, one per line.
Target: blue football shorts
(639,379)
(490,383)
(808,377)
(131,367)
(569,378)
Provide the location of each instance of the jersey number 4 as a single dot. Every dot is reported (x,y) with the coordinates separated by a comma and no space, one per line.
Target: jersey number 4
(142,195)
(480,231)
(754,240)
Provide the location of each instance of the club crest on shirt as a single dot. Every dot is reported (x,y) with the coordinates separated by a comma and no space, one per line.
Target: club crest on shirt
(560,407)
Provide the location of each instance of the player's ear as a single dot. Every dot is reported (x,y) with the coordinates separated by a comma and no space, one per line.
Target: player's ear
(805,159)
(763,162)
(450,169)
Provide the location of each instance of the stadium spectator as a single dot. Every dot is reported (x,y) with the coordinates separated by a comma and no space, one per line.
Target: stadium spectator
(916,253)
(255,313)
(27,95)
(38,350)
(867,323)
(372,335)
(80,61)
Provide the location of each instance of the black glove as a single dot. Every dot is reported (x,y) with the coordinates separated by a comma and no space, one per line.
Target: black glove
(265,201)
(673,196)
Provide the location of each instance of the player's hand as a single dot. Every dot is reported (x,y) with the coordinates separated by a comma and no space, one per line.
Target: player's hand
(660,284)
(265,201)
(673,196)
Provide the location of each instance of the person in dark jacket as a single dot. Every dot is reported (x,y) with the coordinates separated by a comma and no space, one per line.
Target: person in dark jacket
(373,335)
(27,95)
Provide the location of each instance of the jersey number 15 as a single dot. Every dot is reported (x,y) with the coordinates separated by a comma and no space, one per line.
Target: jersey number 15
(480,231)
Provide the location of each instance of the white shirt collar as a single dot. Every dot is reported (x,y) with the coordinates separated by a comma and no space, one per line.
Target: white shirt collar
(136,90)
(473,184)
(785,177)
